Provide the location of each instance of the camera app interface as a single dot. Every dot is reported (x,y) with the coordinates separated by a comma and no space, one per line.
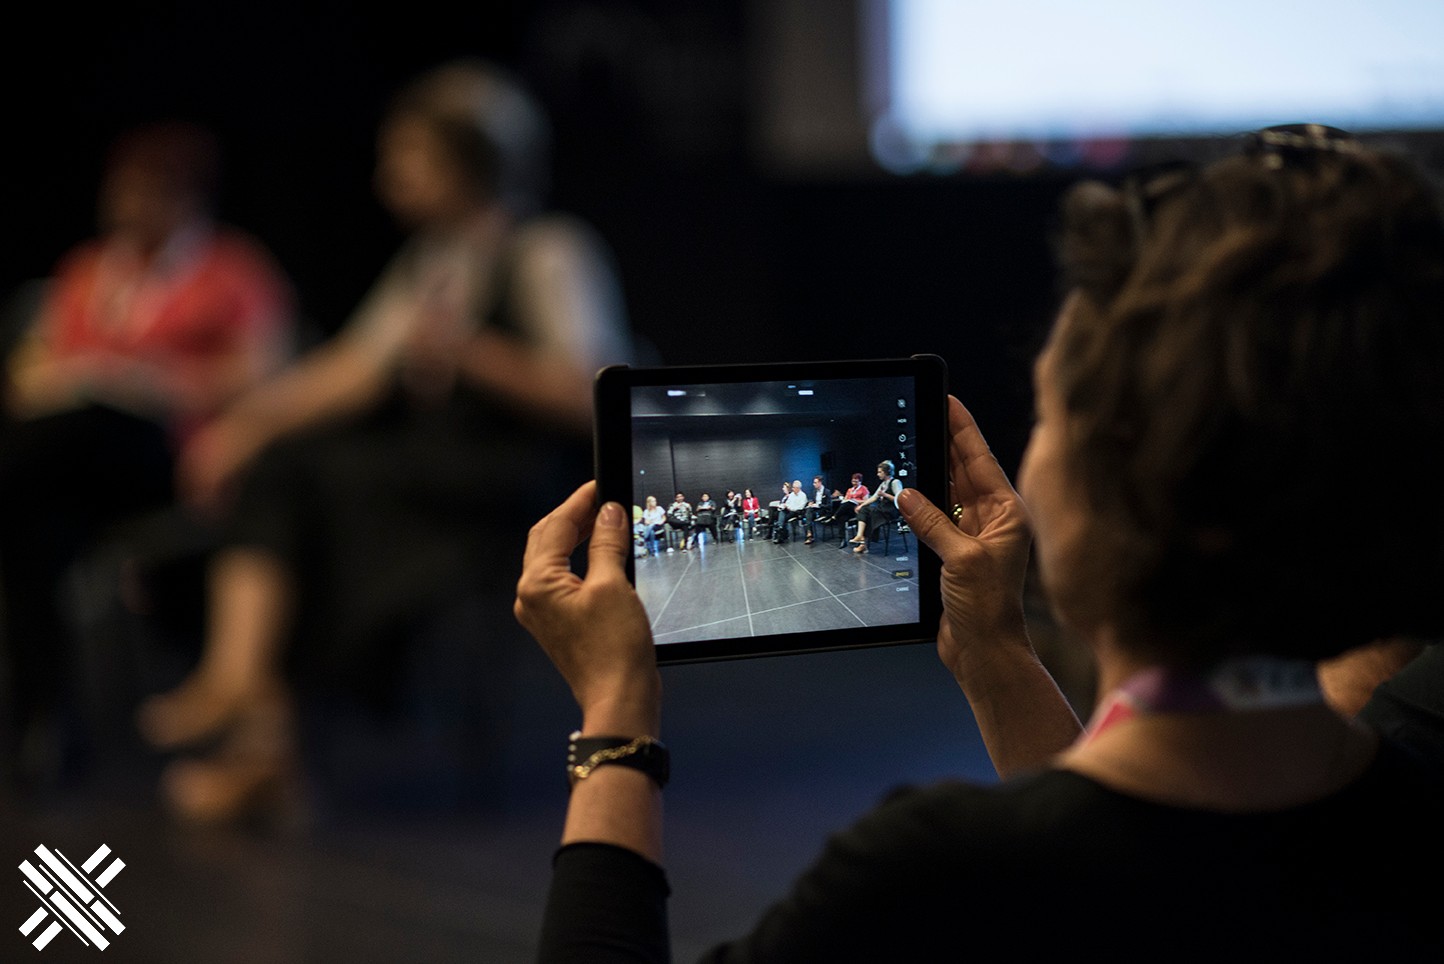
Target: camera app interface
(767,507)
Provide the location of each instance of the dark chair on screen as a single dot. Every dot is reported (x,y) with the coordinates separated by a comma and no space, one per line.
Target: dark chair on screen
(894,527)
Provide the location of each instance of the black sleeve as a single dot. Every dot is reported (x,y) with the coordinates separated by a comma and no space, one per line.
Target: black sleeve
(887,888)
(872,895)
(1409,707)
(606,903)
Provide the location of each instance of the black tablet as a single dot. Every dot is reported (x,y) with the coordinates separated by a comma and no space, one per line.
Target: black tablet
(761,497)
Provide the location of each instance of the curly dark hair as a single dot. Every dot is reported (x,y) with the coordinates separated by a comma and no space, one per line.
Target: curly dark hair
(1253,368)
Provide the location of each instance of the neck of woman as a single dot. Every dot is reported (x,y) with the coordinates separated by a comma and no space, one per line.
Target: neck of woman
(1251,735)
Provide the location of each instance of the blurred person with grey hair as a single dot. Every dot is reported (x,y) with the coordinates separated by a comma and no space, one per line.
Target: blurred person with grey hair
(393,470)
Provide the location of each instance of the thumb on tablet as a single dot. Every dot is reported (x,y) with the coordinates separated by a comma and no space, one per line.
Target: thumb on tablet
(610,543)
(927,521)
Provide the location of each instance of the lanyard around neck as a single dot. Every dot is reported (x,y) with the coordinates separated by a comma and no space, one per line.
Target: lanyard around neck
(1236,685)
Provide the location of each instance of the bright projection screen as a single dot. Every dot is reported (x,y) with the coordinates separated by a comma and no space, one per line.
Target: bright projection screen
(945,76)
(949,85)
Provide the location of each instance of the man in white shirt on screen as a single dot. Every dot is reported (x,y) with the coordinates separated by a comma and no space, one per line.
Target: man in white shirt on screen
(794,504)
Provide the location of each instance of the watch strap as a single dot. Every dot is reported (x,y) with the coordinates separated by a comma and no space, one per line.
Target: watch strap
(644,753)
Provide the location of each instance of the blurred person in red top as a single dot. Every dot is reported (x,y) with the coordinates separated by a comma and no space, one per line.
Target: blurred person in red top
(142,335)
(166,313)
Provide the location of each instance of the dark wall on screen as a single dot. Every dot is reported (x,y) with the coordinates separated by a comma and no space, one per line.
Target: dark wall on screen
(760,452)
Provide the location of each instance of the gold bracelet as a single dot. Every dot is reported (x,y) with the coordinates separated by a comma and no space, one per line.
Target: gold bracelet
(644,753)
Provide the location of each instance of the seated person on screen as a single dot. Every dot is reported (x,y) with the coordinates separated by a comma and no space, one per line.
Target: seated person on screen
(774,508)
(878,509)
(654,525)
(751,511)
(794,506)
(847,502)
(704,519)
(817,507)
(731,511)
(679,520)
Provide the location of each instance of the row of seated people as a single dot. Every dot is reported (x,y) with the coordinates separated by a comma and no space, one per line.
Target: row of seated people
(866,512)
(681,522)
(744,515)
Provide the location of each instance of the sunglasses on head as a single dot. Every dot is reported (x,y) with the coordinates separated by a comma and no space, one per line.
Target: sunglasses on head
(1280,146)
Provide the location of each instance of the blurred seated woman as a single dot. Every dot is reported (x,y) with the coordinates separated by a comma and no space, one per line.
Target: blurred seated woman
(351,485)
(1243,348)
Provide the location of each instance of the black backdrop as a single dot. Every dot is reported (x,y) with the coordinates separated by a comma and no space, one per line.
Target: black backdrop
(657,109)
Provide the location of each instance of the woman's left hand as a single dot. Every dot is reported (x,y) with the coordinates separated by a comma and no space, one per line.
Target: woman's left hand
(983,639)
(593,629)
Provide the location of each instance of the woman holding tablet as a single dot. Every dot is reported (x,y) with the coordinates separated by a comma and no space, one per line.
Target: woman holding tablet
(1243,347)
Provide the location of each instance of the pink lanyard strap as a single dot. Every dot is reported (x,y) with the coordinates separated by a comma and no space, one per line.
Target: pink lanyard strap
(1246,683)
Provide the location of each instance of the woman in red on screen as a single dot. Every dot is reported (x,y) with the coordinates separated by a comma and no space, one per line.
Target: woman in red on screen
(855,495)
(751,511)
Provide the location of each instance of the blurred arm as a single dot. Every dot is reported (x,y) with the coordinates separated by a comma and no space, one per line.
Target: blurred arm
(1350,679)
(568,299)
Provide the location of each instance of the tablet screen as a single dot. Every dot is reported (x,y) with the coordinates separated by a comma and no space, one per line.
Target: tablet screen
(762,501)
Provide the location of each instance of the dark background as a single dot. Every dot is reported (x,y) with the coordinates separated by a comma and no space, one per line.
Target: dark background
(713,145)
(684,133)
(676,131)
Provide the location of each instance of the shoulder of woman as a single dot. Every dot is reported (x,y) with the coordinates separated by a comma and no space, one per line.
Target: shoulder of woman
(938,821)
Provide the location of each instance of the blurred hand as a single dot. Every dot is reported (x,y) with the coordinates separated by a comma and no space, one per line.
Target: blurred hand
(1349,679)
(432,355)
(984,551)
(211,461)
(594,630)
(49,383)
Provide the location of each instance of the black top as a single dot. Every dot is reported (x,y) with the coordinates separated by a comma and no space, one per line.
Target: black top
(1054,866)
(1409,706)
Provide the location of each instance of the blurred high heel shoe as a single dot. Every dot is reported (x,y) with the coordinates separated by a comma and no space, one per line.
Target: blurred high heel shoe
(253,777)
(199,710)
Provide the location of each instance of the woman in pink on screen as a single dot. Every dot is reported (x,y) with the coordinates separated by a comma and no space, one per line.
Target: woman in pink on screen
(856,493)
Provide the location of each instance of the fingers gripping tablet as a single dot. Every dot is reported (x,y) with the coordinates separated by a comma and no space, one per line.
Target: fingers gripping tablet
(763,501)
